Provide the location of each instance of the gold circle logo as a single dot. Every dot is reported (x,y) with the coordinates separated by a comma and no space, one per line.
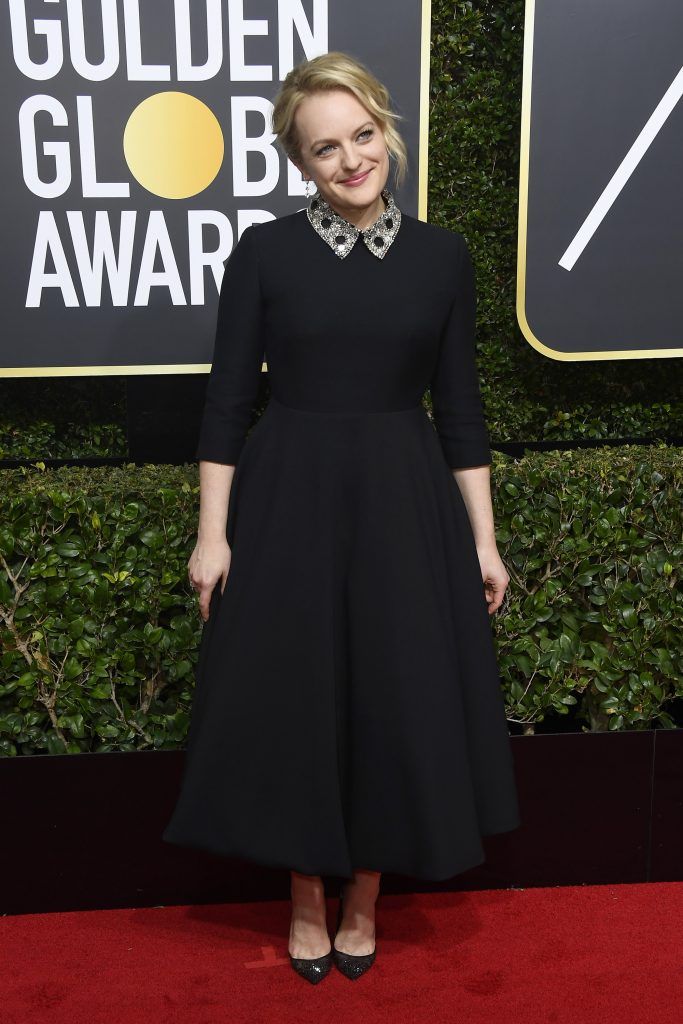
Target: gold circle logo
(173,145)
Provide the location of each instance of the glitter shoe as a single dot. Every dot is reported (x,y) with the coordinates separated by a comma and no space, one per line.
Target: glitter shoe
(312,969)
(351,965)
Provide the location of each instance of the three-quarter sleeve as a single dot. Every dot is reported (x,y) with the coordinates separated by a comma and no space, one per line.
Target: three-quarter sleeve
(457,409)
(233,384)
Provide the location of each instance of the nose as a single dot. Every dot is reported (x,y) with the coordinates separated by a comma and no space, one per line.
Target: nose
(351,161)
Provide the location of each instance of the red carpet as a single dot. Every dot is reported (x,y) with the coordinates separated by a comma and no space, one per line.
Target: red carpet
(608,954)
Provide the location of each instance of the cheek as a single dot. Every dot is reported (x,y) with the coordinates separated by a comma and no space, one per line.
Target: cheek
(379,151)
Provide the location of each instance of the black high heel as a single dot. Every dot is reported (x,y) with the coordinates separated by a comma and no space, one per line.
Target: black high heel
(312,969)
(351,965)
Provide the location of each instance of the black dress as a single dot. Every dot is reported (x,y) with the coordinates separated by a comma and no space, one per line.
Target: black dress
(347,711)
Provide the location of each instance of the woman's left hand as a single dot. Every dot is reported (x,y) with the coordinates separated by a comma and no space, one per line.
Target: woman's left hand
(494,575)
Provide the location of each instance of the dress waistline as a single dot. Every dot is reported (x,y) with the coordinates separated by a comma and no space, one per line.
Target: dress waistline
(274,402)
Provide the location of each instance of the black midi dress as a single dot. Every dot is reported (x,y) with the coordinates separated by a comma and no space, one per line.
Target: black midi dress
(347,710)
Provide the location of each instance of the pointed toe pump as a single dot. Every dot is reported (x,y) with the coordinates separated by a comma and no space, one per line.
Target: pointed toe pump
(312,969)
(351,965)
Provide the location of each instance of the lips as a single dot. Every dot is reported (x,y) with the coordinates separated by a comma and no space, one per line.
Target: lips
(357,179)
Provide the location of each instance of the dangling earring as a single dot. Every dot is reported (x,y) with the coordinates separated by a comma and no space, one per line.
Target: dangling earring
(308,182)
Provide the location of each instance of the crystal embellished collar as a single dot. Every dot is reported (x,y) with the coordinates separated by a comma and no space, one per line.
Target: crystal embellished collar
(341,235)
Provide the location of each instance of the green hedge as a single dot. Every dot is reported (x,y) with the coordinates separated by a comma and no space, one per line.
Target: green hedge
(100,630)
(475,99)
(63,417)
(593,542)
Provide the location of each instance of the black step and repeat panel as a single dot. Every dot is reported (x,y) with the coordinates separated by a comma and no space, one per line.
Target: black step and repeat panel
(601,198)
(136,147)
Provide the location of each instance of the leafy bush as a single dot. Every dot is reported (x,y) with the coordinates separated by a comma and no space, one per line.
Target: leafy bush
(100,630)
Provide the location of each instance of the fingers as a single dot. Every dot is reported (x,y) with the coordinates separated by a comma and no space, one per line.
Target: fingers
(205,602)
(494,593)
(204,592)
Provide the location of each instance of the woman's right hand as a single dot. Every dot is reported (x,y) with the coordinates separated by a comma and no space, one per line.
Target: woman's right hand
(209,563)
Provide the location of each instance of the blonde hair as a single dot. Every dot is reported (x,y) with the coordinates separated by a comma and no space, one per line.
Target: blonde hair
(336,70)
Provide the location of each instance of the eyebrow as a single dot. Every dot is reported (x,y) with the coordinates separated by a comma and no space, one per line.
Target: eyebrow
(318,141)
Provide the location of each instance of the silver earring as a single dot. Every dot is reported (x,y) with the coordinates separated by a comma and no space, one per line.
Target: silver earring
(308,182)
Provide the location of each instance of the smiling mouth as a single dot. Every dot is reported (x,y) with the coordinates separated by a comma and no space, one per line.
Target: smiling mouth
(357,177)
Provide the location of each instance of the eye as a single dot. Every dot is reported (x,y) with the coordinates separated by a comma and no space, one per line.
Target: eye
(366,131)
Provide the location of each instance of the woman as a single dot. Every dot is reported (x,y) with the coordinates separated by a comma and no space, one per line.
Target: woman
(348,717)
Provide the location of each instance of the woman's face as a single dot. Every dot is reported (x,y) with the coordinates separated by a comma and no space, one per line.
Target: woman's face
(341,141)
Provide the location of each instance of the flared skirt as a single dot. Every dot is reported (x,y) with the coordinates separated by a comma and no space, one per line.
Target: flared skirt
(347,711)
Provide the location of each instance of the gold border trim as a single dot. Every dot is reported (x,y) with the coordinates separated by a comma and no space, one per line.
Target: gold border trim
(643,353)
(177,368)
(106,371)
(423,145)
